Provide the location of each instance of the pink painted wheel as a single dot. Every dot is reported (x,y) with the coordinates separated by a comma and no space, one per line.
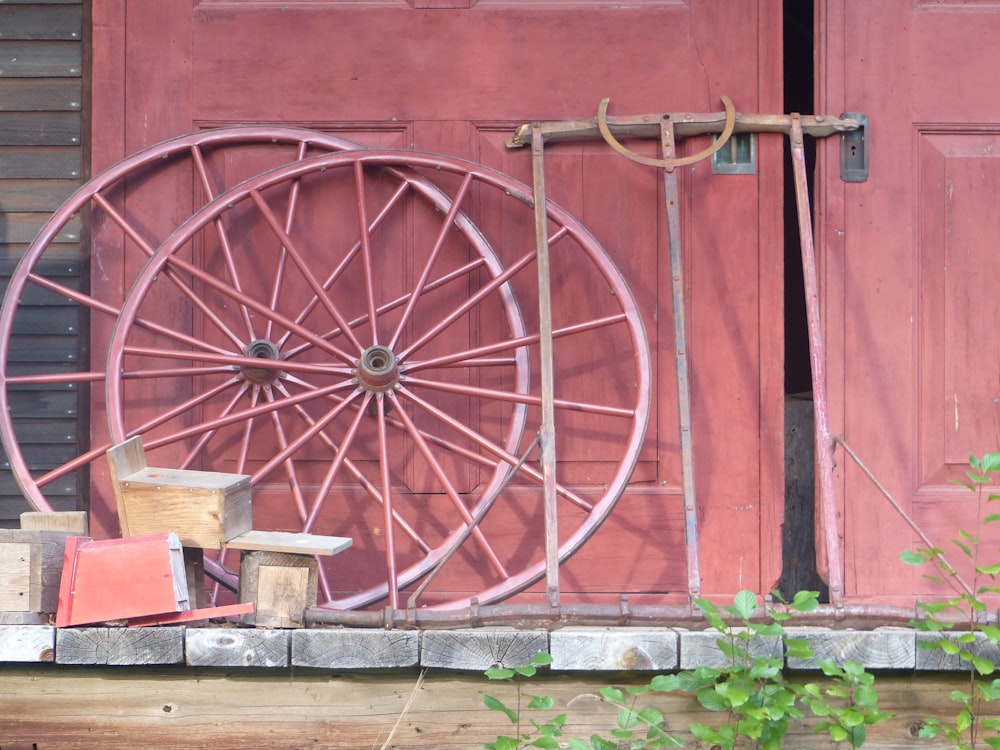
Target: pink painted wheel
(134,205)
(373,365)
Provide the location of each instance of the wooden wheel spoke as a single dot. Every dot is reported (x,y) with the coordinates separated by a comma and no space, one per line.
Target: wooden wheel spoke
(236,361)
(487,445)
(279,274)
(296,255)
(446,228)
(205,437)
(220,230)
(400,301)
(472,355)
(392,576)
(448,487)
(186,406)
(355,249)
(168,273)
(366,250)
(363,481)
(264,310)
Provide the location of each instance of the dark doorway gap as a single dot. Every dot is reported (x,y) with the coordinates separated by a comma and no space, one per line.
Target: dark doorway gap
(799,570)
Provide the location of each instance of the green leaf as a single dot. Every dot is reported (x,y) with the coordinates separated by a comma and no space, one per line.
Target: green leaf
(578,745)
(734,695)
(990,463)
(711,700)
(651,715)
(768,630)
(964,720)
(992,518)
(499,673)
(527,670)
(746,604)
(627,719)
(837,733)
(612,694)
(542,659)
(541,702)
(545,742)
(912,558)
(983,666)
(666,683)
(495,704)
(805,601)
(706,606)
(506,743)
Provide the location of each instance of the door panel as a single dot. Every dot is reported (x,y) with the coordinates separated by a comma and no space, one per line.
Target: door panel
(457,78)
(909,267)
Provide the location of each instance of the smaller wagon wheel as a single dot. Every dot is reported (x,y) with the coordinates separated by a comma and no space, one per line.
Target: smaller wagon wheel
(48,288)
(378,355)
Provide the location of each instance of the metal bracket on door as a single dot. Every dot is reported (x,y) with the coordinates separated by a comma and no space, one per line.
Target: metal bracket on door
(667,127)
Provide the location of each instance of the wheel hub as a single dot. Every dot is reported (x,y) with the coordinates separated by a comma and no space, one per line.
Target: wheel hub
(378,369)
(261,349)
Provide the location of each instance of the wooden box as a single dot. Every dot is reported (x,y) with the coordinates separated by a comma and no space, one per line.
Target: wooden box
(204,508)
(282,586)
(31,563)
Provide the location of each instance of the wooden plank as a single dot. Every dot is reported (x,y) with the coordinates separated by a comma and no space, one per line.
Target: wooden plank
(481,648)
(40,95)
(73,522)
(27,643)
(32,59)
(31,564)
(236,647)
(31,21)
(29,196)
(43,404)
(355,648)
(700,648)
(883,648)
(284,541)
(48,162)
(614,649)
(120,646)
(15,578)
(118,707)
(22,226)
(937,660)
(40,128)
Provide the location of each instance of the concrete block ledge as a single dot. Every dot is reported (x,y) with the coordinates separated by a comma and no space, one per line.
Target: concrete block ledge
(574,649)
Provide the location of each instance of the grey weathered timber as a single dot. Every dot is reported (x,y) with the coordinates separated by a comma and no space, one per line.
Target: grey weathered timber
(235,647)
(355,648)
(481,649)
(937,660)
(120,646)
(614,649)
(701,649)
(882,648)
(27,643)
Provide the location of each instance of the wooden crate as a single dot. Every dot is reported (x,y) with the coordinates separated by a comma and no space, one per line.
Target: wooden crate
(31,563)
(204,508)
(282,585)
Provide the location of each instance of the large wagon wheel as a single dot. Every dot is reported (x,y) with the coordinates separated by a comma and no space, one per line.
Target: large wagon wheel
(208,163)
(376,355)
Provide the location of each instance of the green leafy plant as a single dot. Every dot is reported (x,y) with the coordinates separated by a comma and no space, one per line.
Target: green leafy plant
(750,690)
(962,613)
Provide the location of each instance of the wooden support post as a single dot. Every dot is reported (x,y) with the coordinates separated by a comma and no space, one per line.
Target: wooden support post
(283,586)
(31,565)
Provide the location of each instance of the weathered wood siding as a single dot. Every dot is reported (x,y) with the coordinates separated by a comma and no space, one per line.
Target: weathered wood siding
(41,158)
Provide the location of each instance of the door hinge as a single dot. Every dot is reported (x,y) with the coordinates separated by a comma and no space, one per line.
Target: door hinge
(854,149)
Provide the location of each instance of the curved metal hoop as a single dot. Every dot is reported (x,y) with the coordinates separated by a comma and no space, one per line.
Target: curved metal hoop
(727,131)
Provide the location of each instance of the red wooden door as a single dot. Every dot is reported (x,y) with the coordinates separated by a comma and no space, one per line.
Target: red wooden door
(910,263)
(457,78)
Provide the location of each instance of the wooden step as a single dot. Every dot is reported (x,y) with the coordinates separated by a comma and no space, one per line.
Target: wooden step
(285,541)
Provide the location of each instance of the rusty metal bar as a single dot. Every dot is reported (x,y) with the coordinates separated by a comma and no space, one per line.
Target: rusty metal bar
(547,430)
(817,356)
(685,124)
(623,614)
(673,211)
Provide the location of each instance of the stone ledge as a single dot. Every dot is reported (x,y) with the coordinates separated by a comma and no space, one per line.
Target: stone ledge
(574,649)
